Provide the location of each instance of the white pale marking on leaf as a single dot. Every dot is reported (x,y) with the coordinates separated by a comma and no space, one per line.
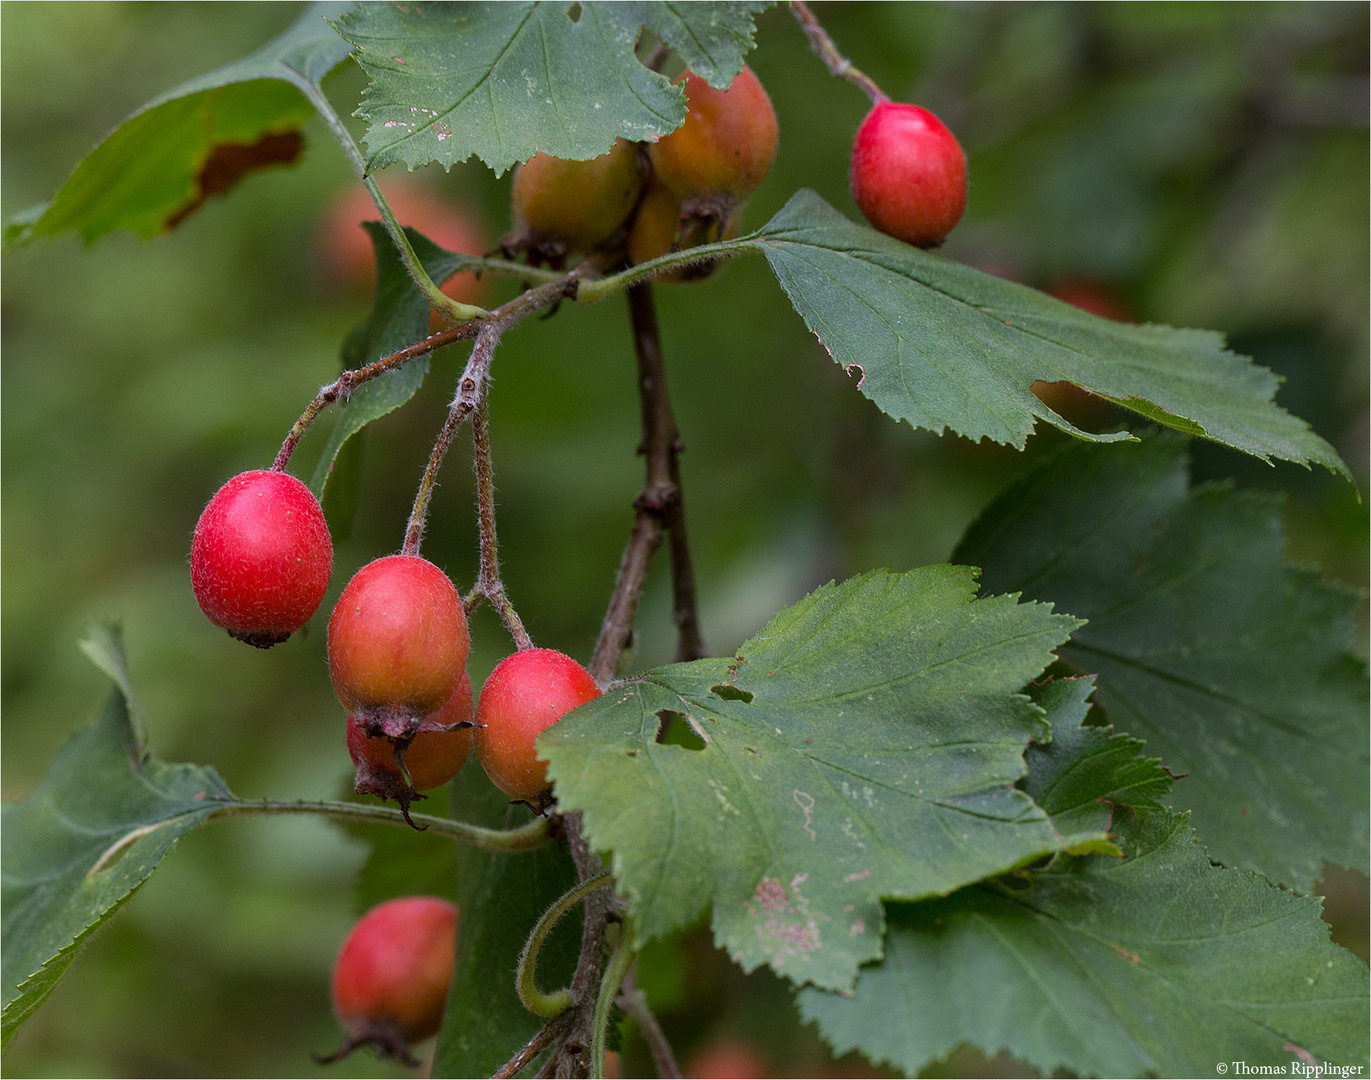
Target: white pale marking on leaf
(862,876)
(113,853)
(805,802)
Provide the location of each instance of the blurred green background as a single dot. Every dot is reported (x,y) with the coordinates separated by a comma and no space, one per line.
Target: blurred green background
(1193,164)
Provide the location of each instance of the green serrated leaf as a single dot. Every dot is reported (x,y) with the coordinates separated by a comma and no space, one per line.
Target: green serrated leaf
(1086,773)
(506,80)
(943,345)
(500,898)
(1232,666)
(398,319)
(194,141)
(1158,964)
(87,837)
(862,745)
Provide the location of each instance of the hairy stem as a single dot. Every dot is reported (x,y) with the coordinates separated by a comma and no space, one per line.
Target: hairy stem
(489,585)
(515,1065)
(619,962)
(570,1059)
(525,977)
(472,387)
(594,291)
(342,387)
(838,64)
(634,1003)
(525,838)
(470,397)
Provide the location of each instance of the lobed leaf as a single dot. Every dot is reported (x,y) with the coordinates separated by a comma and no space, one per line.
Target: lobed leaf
(943,345)
(195,141)
(84,841)
(863,745)
(1086,773)
(1160,963)
(506,80)
(1231,665)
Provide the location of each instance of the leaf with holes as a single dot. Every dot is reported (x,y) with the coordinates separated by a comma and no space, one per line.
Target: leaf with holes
(1159,964)
(1233,666)
(506,80)
(86,838)
(945,346)
(863,745)
(398,319)
(197,140)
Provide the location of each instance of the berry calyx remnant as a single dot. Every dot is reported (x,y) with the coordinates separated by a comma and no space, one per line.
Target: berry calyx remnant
(525,695)
(659,228)
(908,174)
(561,206)
(390,980)
(433,758)
(397,646)
(724,149)
(261,557)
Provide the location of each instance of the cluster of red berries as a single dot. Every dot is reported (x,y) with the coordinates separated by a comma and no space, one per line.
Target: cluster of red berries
(397,645)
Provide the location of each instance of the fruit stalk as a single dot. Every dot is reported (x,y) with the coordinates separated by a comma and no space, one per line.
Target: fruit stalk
(839,65)
(489,585)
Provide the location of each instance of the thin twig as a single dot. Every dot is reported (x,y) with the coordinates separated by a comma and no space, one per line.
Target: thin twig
(837,63)
(662,445)
(658,508)
(515,1065)
(470,397)
(570,1059)
(634,1003)
(489,585)
(472,386)
(342,387)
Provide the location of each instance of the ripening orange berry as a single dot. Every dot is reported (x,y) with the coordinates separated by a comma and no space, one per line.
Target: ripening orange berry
(724,149)
(576,205)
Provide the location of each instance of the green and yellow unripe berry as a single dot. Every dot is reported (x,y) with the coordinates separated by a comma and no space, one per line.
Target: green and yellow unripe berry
(576,205)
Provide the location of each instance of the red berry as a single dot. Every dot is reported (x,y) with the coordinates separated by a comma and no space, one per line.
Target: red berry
(261,557)
(397,644)
(726,145)
(391,978)
(908,174)
(526,694)
(433,758)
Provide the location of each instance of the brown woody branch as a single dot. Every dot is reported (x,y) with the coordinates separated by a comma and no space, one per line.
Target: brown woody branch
(658,509)
(535,1046)
(634,1003)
